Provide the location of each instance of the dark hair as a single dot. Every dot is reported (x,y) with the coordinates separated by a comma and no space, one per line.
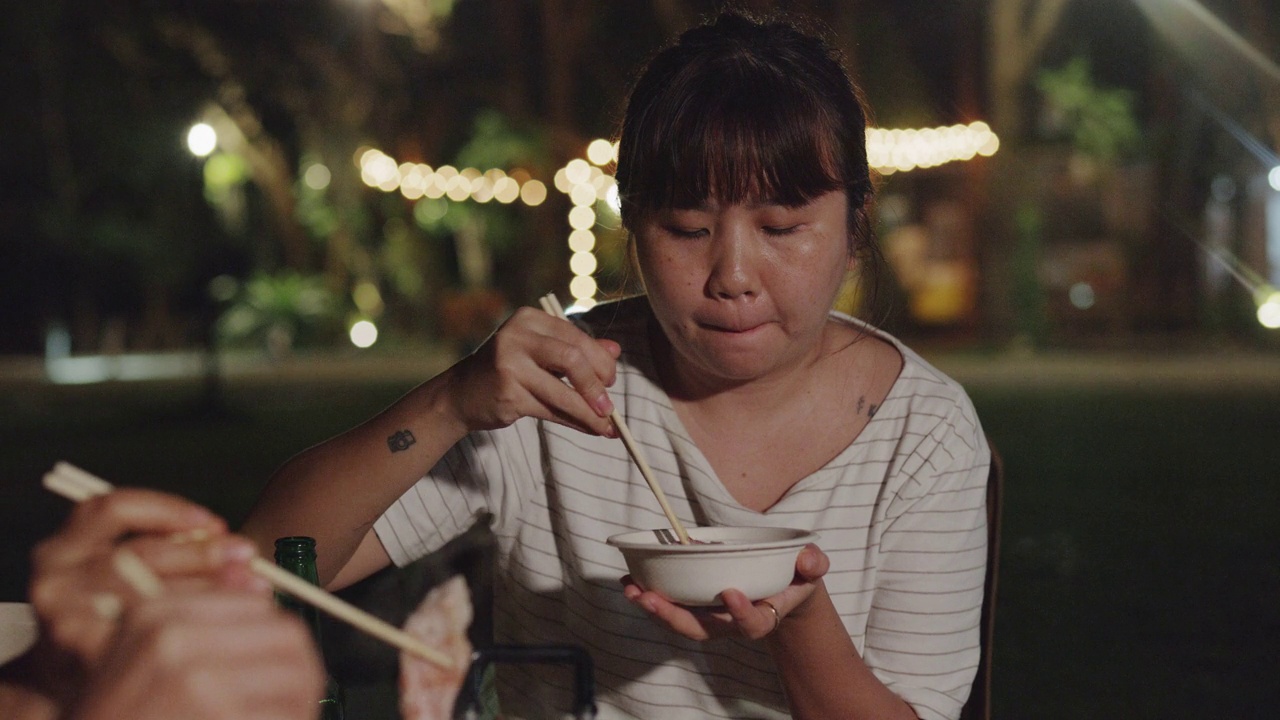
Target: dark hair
(741,109)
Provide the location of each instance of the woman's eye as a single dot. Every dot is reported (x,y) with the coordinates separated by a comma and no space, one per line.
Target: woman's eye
(784,230)
(686,232)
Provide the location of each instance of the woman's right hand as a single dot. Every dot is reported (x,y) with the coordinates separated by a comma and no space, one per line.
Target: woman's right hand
(205,655)
(518,373)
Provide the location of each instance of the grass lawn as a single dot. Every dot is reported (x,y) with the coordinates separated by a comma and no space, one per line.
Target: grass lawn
(1141,565)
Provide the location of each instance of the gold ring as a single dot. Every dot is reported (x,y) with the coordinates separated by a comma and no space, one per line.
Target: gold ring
(777,618)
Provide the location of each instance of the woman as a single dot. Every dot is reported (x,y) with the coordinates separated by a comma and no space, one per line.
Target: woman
(743,172)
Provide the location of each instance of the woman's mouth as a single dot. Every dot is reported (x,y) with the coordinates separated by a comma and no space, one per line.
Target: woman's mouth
(735,329)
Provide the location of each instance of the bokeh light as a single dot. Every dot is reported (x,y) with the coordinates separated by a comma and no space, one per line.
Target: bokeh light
(600,152)
(533,193)
(317,176)
(1269,311)
(202,139)
(364,334)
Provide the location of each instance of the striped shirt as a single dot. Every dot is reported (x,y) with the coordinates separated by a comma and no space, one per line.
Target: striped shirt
(900,511)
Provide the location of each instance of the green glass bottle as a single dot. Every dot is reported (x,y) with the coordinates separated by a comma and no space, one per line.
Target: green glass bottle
(298,556)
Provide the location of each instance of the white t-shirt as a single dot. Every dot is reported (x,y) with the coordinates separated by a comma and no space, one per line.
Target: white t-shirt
(901,514)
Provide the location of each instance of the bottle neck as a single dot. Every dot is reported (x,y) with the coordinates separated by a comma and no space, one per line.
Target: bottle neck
(297,554)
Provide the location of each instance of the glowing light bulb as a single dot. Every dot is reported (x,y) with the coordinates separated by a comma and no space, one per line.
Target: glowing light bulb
(582,218)
(364,334)
(202,139)
(533,193)
(600,151)
(506,190)
(1269,312)
(583,195)
(577,171)
(582,287)
(317,176)
(582,241)
(582,263)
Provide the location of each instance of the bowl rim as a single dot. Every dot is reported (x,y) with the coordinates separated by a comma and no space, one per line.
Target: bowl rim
(644,540)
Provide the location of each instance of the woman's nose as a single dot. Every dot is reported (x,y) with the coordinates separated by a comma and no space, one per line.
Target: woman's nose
(731,274)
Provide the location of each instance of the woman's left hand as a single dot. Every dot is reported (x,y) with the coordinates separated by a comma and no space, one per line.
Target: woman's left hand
(739,616)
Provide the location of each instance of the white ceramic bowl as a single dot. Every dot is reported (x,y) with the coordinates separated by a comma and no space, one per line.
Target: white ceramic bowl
(759,561)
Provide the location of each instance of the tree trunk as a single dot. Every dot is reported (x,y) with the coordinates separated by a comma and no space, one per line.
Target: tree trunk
(1017,32)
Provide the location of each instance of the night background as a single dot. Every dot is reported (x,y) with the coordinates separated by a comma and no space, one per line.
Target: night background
(229,230)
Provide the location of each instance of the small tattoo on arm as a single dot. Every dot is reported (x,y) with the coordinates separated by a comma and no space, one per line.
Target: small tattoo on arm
(861,401)
(401,441)
(871,411)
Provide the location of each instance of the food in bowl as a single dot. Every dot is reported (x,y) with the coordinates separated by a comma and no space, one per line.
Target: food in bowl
(759,561)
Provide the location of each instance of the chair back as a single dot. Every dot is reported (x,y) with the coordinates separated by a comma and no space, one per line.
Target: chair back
(978,706)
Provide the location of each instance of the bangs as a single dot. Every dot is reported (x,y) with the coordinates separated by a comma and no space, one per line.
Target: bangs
(744,137)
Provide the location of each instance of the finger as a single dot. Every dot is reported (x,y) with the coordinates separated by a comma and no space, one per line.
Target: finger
(755,620)
(674,616)
(590,365)
(168,558)
(812,563)
(587,366)
(563,404)
(601,354)
(200,645)
(77,607)
(278,669)
(105,519)
(236,577)
(614,350)
(187,605)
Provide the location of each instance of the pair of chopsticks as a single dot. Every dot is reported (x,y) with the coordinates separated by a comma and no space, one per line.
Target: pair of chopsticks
(75,484)
(551,305)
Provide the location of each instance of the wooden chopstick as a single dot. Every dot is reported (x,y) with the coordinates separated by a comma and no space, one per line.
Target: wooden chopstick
(552,306)
(75,484)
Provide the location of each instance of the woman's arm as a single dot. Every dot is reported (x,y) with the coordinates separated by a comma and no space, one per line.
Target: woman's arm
(821,670)
(336,490)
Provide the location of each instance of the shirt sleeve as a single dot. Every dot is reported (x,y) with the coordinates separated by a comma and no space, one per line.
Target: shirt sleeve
(486,472)
(923,631)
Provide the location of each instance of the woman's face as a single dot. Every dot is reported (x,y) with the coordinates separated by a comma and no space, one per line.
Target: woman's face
(742,291)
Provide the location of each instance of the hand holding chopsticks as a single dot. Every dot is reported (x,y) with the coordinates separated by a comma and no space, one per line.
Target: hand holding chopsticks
(552,306)
(77,485)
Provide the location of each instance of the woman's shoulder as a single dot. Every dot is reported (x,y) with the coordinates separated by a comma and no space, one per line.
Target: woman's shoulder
(625,321)
(919,383)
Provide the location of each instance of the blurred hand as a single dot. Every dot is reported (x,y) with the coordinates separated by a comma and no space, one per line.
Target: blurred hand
(739,616)
(212,655)
(517,373)
(76,590)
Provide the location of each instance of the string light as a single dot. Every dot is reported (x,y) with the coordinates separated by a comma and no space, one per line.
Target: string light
(589,186)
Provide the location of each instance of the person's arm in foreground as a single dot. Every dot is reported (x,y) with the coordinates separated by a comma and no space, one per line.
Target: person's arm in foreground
(336,490)
(80,599)
(205,655)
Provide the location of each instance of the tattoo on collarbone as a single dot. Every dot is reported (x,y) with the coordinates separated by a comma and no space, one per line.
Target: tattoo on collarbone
(401,441)
(870,407)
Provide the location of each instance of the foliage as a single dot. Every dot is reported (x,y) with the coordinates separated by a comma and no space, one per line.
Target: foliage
(1100,122)
(281,312)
